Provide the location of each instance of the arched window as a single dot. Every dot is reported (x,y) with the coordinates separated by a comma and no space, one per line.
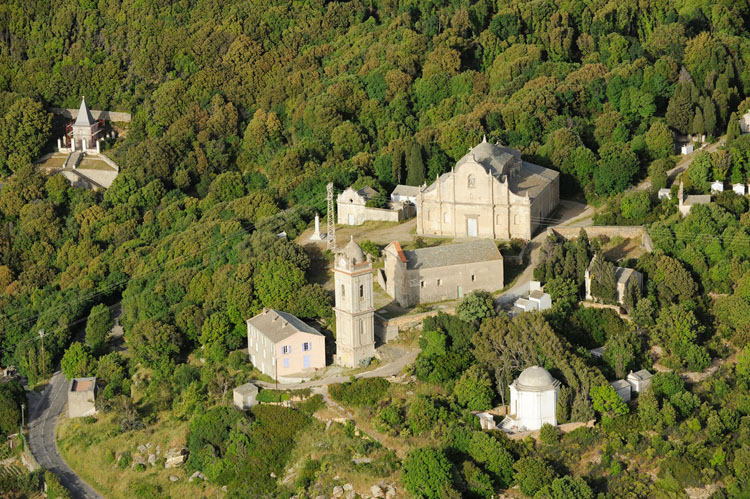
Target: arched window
(471,181)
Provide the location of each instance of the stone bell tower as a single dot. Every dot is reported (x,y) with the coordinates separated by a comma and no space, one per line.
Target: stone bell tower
(355,320)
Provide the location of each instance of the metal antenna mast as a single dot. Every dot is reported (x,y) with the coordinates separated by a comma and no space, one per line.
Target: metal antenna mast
(331,231)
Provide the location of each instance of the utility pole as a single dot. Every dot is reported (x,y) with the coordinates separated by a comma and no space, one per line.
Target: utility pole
(23,420)
(44,365)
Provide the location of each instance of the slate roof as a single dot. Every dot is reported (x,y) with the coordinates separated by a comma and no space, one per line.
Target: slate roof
(530,181)
(697,199)
(278,326)
(641,375)
(622,274)
(247,389)
(406,190)
(481,250)
(620,384)
(84,117)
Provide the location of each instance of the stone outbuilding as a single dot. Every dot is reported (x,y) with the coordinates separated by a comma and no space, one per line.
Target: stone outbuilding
(352,209)
(623,277)
(622,388)
(533,401)
(490,193)
(245,396)
(745,123)
(281,345)
(640,380)
(81,397)
(685,203)
(442,272)
(404,193)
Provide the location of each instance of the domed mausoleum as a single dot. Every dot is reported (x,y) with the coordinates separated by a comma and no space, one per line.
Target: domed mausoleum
(533,400)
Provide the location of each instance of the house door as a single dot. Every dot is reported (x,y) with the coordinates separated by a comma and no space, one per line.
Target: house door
(306,361)
(351,219)
(471,227)
(460,291)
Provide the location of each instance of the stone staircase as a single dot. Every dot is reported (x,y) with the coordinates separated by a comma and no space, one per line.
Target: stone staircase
(73,160)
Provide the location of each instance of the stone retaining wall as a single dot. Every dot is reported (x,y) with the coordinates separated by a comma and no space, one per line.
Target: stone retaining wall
(626,231)
(564,428)
(107,115)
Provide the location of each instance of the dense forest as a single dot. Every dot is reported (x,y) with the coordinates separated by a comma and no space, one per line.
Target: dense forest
(244,111)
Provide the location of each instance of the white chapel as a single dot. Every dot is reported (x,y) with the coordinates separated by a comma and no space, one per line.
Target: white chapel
(533,400)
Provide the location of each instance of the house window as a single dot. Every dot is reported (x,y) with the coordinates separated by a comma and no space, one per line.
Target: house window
(306,346)
(515,219)
(286,363)
(471,181)
(421,284)
(361,292)
(440,282)
(286,349)
(343,291)
(473,277)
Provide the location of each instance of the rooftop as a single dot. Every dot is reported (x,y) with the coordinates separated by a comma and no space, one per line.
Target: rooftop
(534,379)
(84,115)
(82,384)
(622,274)
(277,326)
(620,384)
(481,250)
(697,199)
(406,190)
(642,375)
(247,389)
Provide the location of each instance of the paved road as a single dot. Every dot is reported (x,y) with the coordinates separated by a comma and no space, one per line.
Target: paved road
(44,409)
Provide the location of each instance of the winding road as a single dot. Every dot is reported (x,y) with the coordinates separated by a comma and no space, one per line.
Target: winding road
(44,410)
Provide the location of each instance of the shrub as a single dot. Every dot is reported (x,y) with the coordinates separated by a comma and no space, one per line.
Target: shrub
(312,404)
(307,474)
(272,396)
(389,418)
(532,474)
(549,434)
(473,389)
(427,473)
(125,460)
(360,392)
(55,489)
(237,359)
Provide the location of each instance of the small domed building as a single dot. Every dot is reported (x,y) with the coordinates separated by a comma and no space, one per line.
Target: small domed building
(533,400)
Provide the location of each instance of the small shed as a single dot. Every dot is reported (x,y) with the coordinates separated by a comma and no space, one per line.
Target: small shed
(622,388)
(665,193)
(597,352)
(81,397)
(640,381)
(739,189)
(245,396)
(686,149)
(717,186)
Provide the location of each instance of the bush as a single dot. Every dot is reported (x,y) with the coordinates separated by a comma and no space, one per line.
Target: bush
(312,404)
(237,359)
(360,392)
(473,389)
(125,460)
(55,489)
(427,473)
(272,396)
(532,474)
(389,419)
(307,474)
(549,434)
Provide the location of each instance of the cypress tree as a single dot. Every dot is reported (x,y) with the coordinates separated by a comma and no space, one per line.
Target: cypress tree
(679,110)
(733,128)
(709,116)
(699,128)
(414,164)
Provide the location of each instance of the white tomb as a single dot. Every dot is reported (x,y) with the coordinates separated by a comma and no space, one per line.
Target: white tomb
(640,381)
(533,400)
(739,189)
(622,388)
(717,186)
(665,193)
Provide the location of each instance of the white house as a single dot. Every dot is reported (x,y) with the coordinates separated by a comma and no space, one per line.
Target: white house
(640,381)
(739,189)
(745,123)
(686,149)
(717,186)
(665,193)
(533,400)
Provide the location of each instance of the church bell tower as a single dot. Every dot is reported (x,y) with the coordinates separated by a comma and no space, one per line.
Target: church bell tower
(355,319)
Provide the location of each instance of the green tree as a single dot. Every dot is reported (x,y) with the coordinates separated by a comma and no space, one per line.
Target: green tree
(659,140)
(414,164)
(617,167)
(635,205)
(566,487)
(657,172)
(153,341)
(11,397)
(476,306)
(493,456)
(733,128)
(98,326)
(620,351)
(607,402)
(427,473)
(24,130)
(533,474)
(680,109)
(473,389)
(77,361)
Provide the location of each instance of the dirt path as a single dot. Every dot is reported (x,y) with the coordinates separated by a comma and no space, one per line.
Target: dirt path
(683,164)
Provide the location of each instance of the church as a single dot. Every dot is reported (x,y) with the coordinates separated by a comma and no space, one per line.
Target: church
(490,193)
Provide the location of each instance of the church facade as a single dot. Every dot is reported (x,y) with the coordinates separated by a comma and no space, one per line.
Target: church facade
(490,193)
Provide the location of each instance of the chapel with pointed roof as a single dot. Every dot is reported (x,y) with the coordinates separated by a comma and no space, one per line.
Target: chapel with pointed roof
(490,193)
(85,131)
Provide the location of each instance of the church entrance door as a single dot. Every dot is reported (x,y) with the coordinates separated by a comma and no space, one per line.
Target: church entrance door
(471,227)
(351,219)
(460,292)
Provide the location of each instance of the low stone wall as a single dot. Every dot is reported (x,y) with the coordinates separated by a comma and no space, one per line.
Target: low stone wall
(626,231)
(616,308)
(518,259)
(564,428)
(409,321)
(107,115)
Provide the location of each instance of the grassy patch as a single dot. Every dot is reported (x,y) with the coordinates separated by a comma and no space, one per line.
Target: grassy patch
(91,450)
(94,164)
(53,162)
